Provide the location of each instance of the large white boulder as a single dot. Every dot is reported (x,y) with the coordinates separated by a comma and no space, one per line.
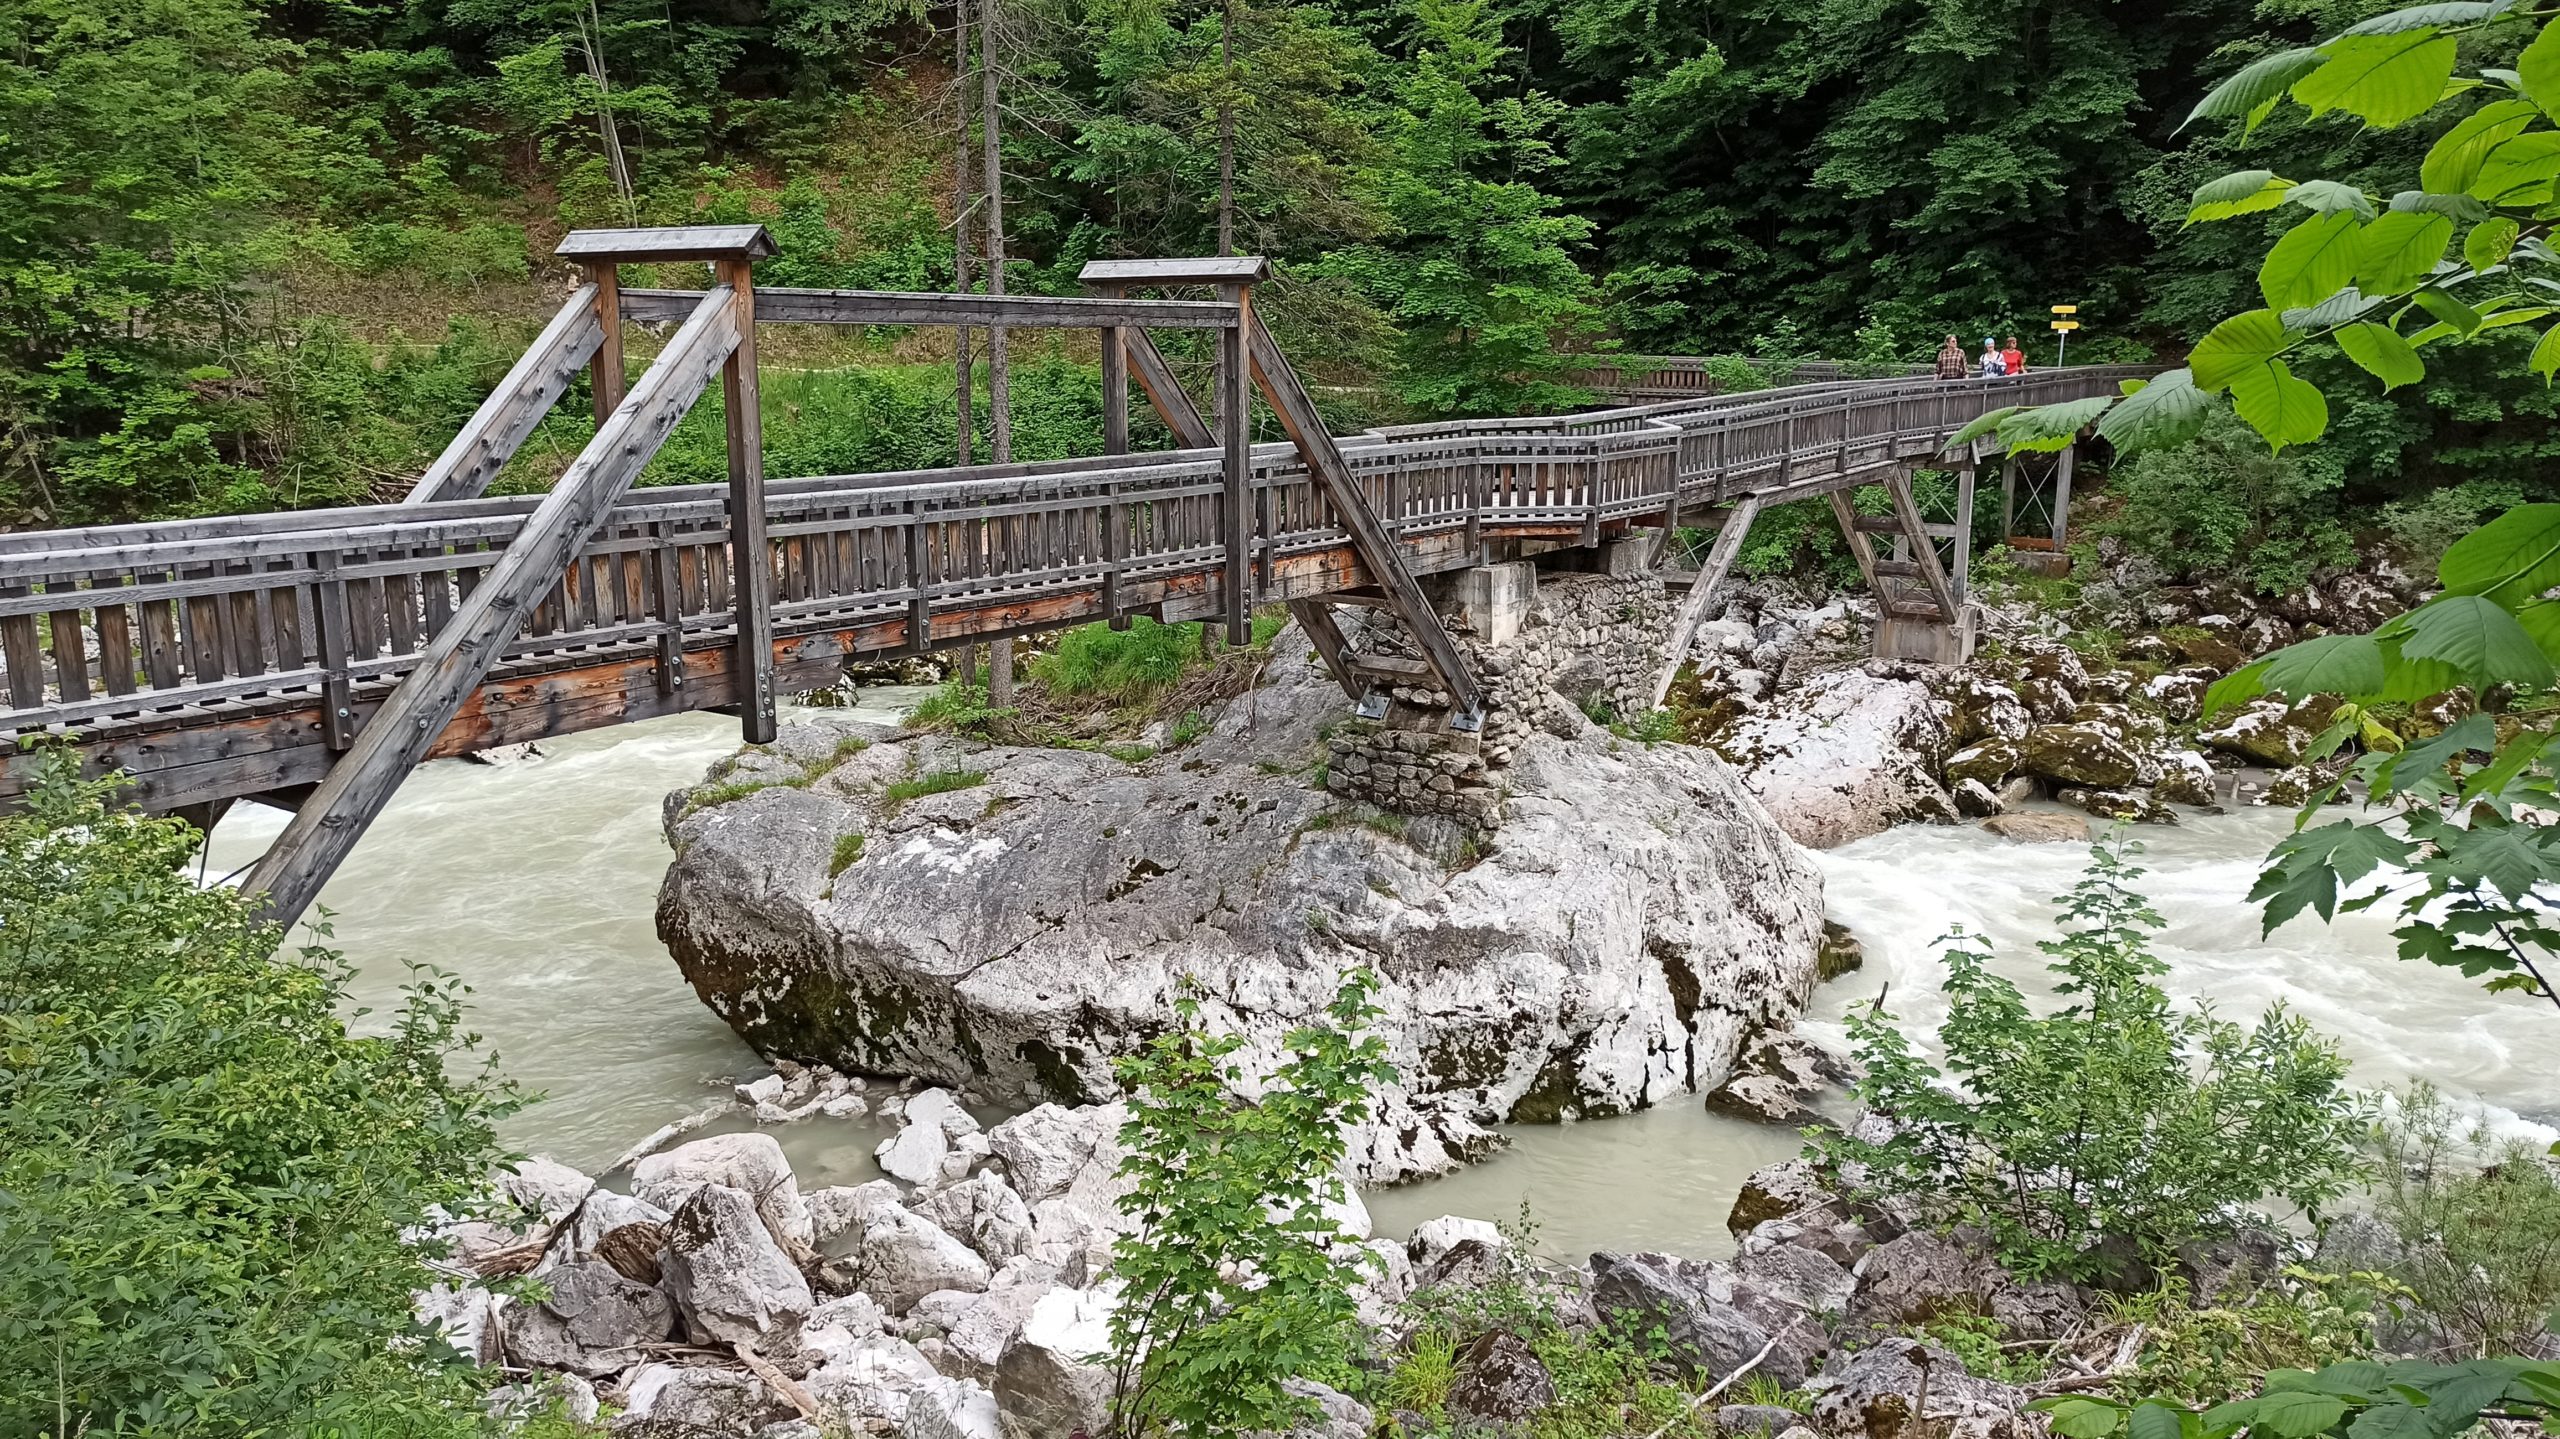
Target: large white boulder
(733,1283)
(1846,755)
(874,1379)
(545,1189)
(952,1409)
(985,1213)
(1056,1378)
(1632,918)
(1047,1148)
(749,1162)
(591,1321)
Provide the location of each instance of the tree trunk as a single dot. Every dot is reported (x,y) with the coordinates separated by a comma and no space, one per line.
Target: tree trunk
(999,377)
(1227,129)
(963,374)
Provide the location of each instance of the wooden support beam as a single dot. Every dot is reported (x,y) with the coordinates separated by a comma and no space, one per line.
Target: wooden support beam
(1905,508)
(667,243)
(1147,364)
(1376,547)
(1235,406)
(1693,605)
(1332,646)
(784,305)
(1186,270)
(538,379)
(321,833)
(750,553)
(605,376)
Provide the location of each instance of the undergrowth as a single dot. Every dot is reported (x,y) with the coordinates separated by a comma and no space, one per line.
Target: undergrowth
(940,781)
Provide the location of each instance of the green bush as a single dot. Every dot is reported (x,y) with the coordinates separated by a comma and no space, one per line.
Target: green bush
(1228,1278)
(2224,505)
(2480,1242)
(2115,1117)
(204,1177)
(2211,1348)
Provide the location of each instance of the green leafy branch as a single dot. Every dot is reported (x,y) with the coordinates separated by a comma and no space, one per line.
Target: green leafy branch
(2370,274)
(2354,1399)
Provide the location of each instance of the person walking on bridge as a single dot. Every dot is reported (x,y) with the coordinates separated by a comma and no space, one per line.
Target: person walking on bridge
(2012,359)
(1951,360)
(1988,364)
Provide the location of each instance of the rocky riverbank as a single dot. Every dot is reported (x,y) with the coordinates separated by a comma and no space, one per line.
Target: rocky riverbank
(1010,918)
(2087,694)
(969,1295)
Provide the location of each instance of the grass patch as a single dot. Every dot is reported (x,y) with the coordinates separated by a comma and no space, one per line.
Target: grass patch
(1359,816)
(1120,669)
(1130,753)
(1192,725)
(731,791)
(848,849)
(941,781)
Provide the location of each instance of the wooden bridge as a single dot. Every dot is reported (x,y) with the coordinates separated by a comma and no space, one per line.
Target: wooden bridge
(311,659)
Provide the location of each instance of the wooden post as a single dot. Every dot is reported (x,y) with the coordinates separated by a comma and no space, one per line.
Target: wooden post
(604,372)
(750,556)
(1963,573)
(2062,464)
(329,620)
(1236,404)
(1115,386)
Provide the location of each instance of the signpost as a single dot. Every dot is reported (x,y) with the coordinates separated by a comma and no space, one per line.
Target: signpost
(2063,325)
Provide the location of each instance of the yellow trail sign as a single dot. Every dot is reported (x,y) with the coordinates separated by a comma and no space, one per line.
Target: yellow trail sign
(2066,309)
(2066,324)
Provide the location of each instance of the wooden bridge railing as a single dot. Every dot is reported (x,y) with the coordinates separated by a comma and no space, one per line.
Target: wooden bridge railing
(118,624)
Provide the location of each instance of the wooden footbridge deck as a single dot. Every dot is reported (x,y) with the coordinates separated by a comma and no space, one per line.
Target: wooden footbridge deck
(311,659)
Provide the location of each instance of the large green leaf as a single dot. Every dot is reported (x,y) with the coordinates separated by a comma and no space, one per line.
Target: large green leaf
(2385,80)
(2048,428)
(2397,251)
(2473,634)
(2246,341)
(2346,665)
(2282,409)
(2325,196)
(2519,171)
(2170,410)
(2546,355)
(2254,88)
(2243,192)
(2512,559)
(2077,1418)
(2295,1413)
(2489,242)
(2465,209)
(2348,304)
(2460,316)
(2306,871)
(2315,259)
(2454,162)
(2538,69)
(1981,425)
(2236,688)
(2392,1421)
(2153,1419)
(2444,12)
(2381,351)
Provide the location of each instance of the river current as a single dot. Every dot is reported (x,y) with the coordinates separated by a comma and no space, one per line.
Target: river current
(535,881)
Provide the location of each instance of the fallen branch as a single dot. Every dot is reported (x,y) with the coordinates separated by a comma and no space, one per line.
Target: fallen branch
(1721,1385)
(779,1382)
(659,1138)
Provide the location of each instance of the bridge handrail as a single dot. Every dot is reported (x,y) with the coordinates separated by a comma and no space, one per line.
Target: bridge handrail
(206,611)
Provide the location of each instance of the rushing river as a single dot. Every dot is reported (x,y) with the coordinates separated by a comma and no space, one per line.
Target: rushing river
(536,880)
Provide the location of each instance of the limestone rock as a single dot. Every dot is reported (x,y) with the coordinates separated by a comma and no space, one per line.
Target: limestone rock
(751,1163)
(1765,1098)
(2178,696)
(1987,763)
(1632,919)
(1650,1294)
(2267,731)
(903,1257)
(1434,1238)
(546,1189)
(466,1315)
(1777,1191)
(2080,754)
(731,1280)
(1057,1377)
(1500,1378)
(2039,827)
(845,1209)
(1873,1391)
(982,1212)
(2135,806)
(1336,1415)
(662,1398)
(2185,778)
(1922,1276)
(876,1378)
(951,1409)
(1849,755)
(591,1321)
(1045,1148)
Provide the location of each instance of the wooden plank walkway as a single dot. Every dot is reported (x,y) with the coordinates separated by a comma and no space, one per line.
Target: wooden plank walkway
(225,657)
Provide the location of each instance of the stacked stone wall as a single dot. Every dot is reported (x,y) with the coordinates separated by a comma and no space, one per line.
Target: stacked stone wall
(1584,637)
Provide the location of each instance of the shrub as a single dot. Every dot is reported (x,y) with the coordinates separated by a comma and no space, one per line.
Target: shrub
(204,1177)
(2114,1117)
(2224,505)
(1228,1283)
(2480,1245)
(2219,1347)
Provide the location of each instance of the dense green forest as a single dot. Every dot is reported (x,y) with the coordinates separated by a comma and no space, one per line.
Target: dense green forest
(271,253)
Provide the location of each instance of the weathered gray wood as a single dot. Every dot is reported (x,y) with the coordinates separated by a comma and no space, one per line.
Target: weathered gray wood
(1171,401)
(1923,553)
(605,379)
(667,243)
(1195,270)
(1693,606)
(292,871)
(1296,411)
(750,553)
(1235,407)
(482,447)
(791,306)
